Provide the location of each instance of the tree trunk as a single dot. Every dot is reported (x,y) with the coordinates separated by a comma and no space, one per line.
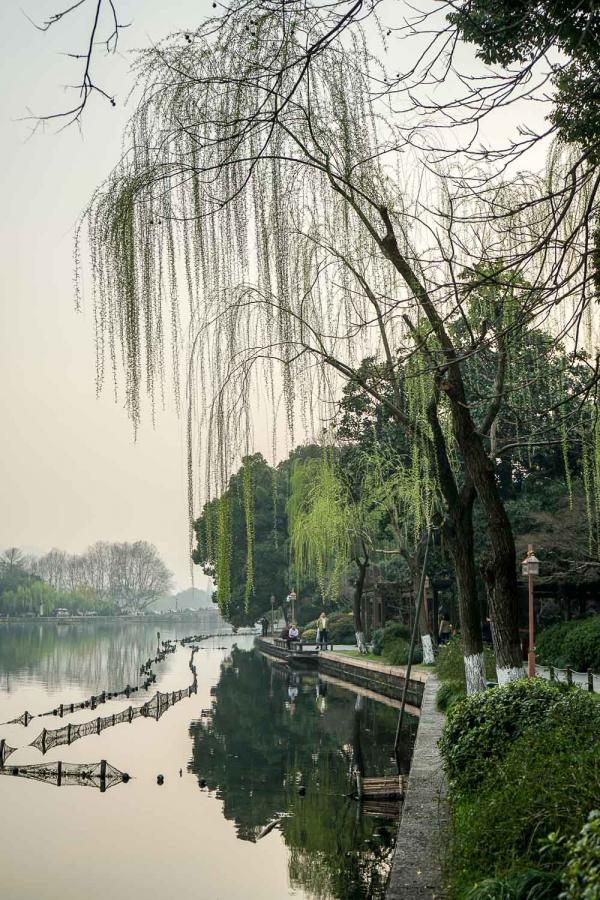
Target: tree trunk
(502,574)
(501,571)
(458,531)
(356,603)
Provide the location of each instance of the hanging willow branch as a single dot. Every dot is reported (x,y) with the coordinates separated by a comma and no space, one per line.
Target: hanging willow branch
(271,189)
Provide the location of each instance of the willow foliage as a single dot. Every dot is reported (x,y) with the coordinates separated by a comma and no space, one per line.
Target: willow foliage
(323,523)
(241,216)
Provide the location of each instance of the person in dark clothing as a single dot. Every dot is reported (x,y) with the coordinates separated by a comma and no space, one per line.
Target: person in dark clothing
(264,624)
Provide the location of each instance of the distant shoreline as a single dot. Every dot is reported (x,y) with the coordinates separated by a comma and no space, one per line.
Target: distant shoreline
(62,620)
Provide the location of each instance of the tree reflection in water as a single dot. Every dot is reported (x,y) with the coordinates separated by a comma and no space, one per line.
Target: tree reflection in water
(272,732)
(95,654)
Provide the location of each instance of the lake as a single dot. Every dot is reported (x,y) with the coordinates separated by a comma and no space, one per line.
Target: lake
(255,744)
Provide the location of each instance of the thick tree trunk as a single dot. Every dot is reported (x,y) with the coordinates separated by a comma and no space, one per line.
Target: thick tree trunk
(458,531)
(501,571)
(356,603)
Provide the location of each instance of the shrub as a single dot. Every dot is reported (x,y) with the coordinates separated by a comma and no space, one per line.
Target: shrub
(308,634)
(341,628)
(582,874)
(451,663)
(547,781)
(450,660)
(550,644)
(395,630)
(393,643)
(480,728)
(449,693)
(378,641)
(582,645)
(396,652)
(575,644)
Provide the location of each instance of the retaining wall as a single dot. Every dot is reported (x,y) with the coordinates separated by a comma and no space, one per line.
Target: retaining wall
(417,866)
(378,677)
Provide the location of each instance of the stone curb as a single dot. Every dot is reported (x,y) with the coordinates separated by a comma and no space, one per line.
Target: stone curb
(416,871)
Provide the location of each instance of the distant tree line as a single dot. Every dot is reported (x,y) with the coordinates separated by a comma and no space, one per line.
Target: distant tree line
(106,578)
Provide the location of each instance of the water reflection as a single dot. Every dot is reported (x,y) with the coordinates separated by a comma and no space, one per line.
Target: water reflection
(95,655)
(281,744)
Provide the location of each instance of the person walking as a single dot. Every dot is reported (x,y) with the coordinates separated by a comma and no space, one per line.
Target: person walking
(322,634)
(264,624)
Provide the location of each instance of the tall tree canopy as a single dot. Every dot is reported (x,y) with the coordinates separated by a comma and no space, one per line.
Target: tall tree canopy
(265,179)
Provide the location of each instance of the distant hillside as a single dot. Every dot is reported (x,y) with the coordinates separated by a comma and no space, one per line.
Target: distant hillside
(192,598)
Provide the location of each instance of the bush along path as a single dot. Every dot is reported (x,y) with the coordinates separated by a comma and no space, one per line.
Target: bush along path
(570,652)
(523,768)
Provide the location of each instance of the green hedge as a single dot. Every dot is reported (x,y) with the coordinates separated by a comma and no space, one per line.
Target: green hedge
(340,629)
(480,728)
(550,644)
(582,874)
(575,644)
(393,643)
(523,763)
(582,645)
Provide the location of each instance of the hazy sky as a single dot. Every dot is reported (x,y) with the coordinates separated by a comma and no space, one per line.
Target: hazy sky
(70,471)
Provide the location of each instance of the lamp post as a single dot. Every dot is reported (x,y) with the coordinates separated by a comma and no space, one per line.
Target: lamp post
(530,567)
(272,615)
(292,600)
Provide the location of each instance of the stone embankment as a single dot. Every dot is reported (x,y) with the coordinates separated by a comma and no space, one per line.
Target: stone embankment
(417,870)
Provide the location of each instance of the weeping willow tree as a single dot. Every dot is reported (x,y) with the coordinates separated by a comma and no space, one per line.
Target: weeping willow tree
(329,531)
(267,205)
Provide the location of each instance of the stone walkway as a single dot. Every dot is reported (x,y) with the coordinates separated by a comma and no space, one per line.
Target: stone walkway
(416,870)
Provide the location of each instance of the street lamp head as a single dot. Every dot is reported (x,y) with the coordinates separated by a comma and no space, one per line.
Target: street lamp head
(530,565)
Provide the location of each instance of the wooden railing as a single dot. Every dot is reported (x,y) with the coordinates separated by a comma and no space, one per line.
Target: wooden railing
(589,681)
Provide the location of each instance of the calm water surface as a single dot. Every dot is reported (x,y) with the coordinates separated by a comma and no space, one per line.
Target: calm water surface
(252,734)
